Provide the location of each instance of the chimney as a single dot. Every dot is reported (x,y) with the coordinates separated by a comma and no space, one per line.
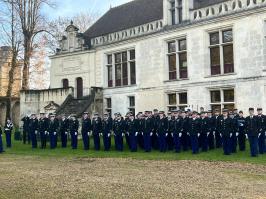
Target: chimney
(187,5)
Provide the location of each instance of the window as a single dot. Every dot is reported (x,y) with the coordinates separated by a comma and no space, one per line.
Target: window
(177,59)
(222,98)
(124,67)
(177,100)
(176,11)
(108,105)
(221,52)
(65,83)
(131,104)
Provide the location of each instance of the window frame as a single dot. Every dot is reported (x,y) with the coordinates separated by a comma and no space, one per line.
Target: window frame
(107,108)
(177,104)
(130,107)
(222,102)
(221,46)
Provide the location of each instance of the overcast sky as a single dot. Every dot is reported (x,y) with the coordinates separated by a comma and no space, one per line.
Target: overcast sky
(71,7)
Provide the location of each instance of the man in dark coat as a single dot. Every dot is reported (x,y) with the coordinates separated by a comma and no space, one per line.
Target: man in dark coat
(261,130)
(64,126)
(33,130)
(241,131)
(194,132)
(73,128)
(53,128)
(85,130)
(26,134)
(43,125)
(107,126)
(96,130)
(119,130)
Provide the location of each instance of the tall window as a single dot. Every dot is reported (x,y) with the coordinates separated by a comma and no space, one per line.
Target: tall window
(222,98)
(221,52)
(176,11)
(131,104)
(124,68)
(177,59)
(108,106)
(177,100)
(65,83)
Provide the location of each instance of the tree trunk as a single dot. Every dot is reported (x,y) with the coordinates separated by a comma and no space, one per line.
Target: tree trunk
(26,66)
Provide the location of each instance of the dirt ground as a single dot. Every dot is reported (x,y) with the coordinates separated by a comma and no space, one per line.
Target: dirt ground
(34,177)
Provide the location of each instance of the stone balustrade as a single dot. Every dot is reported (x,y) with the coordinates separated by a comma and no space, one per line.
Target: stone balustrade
(128,33)
(224,8)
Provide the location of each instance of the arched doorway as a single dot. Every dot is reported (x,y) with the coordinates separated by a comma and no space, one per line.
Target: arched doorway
(65,83)
(79,83)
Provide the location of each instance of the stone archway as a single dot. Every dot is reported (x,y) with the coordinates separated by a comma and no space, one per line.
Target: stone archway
(15,113)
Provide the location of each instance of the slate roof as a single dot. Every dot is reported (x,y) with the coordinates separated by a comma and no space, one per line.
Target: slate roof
(205,3)
(134,13)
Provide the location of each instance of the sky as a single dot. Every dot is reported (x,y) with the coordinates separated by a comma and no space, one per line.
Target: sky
(72,7)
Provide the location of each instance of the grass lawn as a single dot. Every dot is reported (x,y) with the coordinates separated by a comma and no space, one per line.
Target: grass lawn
(214,155)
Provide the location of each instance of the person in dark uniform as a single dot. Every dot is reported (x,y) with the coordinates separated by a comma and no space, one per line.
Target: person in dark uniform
(26,134)
(147,131)
(96,130)
(53,127)
(216,130)
(211,134)
(204,131)
(107,125)
(233,138)
(119,128)
(132,130)
(126,133)
(64,126)
(86,130)
(1,141)
(177,131)
(33,130)
(139,123)
(194,132)
(73,128)
(156,119)
(162,132)
(226,128)
(241,131)
(170,131)
(252,132)
(261,129)
(43,125)
(8,132)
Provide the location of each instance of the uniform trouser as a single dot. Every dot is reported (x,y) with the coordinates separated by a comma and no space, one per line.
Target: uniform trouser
(261,143)
(24,136)
(29,136)
(8,139)
(119,142)
(1,144)
(194,143)
(184,141)
(204,142)
(226,145)
(253,141)
(162,142)
(52,137)
(233,143)
(242,141)
(170,142)
(86,140)
(140,140)
(211,140)
(107,141)
(43,140)
(127,139)
(218,140)
(154,141)
(96,139)
(33,139)
(133,142)
(64,139)
(147,141)
(74,140)
(177,142)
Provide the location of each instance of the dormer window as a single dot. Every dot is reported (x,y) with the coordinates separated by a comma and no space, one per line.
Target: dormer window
(176,11)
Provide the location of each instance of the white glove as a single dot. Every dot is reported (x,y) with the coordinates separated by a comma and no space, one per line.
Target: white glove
(187,133)
(221,135)
(265,133)
(54,133)
(214,132)
(109,134)
(246,136)
(45,132)
(142,133)
(136,133)
(101,134)
(166,134)
(237,134)
(150,134)
(172,134)
(180,135)
(123,134)
(208,133)
(157,134)
(231,134)
(65,133)
(259,135)
(76,133)
(36,132)
(88,133)
(198,134)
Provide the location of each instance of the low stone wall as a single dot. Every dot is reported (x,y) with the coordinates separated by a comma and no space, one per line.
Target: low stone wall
(47,101)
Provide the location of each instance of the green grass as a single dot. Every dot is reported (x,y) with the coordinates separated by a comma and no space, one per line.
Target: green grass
(19,149)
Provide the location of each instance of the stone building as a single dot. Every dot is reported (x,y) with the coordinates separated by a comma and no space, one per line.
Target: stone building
(5,65)
(167,54)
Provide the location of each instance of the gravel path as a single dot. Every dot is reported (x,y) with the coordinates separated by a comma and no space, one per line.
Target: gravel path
(33,177)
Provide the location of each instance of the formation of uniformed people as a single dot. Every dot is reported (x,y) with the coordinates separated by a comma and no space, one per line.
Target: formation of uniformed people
(177,131)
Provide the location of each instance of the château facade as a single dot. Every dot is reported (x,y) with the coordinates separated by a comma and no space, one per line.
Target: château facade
(165,54)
